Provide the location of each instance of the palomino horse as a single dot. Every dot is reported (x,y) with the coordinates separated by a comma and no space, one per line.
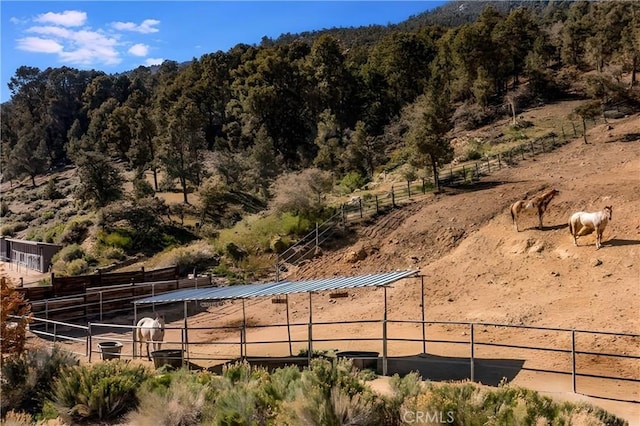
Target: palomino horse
(583,223)
(538,203)
(150,330)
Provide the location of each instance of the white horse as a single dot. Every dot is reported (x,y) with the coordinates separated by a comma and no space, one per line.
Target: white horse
(583,223)
(150,330)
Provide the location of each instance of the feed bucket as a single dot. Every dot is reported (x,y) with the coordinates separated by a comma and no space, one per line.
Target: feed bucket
(171,357)
(361,359)
(110,350)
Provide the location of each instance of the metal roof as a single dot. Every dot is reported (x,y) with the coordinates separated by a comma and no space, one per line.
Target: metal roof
(278,288)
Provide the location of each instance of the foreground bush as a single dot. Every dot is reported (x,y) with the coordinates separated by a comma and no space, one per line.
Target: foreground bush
(471,404)
(175,398)
(27,379)
(102,392)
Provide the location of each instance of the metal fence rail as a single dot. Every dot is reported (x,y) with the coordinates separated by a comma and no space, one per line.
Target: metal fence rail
(238,340)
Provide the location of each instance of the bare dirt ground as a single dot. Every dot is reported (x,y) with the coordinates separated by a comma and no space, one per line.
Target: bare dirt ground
(477,268)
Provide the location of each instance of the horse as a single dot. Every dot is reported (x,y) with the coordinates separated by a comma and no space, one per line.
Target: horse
(150,330)
(583,223)
(539,203)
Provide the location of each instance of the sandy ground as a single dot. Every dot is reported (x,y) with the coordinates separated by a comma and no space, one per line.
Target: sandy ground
(477,268)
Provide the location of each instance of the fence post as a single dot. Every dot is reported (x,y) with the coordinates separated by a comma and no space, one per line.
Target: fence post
(499,162)
(488,164)
(472,360)
(424,332)
(573,360)
(384,335)
(100,305)
(360,206)
(344,218)
(46,315)
(89,341)
(310,333)
(393,197)
(377,206)
(241,343)
(409,188)
(55,332)
(533,152)
(424,187)
(464,174)
(575,135)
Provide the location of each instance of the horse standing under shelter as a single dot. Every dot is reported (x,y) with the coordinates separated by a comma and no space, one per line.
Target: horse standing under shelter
(150,330)
(539,203)
(583,223)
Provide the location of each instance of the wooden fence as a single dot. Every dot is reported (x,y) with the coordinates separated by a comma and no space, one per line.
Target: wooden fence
(76,285)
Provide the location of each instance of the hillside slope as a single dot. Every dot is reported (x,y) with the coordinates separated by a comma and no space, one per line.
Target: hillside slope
(479,268)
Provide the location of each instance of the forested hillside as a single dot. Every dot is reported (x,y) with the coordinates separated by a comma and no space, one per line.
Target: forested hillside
(230,132)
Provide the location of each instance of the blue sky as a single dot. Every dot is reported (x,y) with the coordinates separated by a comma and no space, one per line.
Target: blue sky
(115,36)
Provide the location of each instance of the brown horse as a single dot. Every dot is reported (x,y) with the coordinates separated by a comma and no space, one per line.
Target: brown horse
(539,203)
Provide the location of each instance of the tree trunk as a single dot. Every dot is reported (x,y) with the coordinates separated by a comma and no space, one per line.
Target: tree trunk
(155,179)
(183,183)
(436,179)
(584,129)
(33,181)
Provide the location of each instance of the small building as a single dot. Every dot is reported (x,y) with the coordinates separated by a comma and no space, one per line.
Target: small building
(33,255)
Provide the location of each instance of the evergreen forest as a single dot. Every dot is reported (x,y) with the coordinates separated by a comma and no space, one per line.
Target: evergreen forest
(228,130)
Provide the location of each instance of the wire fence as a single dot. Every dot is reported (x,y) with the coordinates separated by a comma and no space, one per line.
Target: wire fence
(369,205)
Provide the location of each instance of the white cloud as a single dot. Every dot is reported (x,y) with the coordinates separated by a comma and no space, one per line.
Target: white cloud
(67,36)
(52,31)
(139,49)
(68,18)
(146,27)
(153,61)
(39,45)
(18,21)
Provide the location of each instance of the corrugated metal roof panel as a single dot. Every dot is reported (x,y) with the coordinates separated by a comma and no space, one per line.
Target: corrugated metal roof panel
(279,288)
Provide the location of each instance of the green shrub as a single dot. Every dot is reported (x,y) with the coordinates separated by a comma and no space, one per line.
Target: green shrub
(102,392)
(115,253)
(331,393)
(142,188)
(4,209)
(52,233)
(27,379)
(468,403)
(174,398)
(350,182)
(50,191)
(8,231)
(75,232)
(77,267)
(69,253)
(473,154)
(118,239)
(46,216)
(16,418)
(235,252)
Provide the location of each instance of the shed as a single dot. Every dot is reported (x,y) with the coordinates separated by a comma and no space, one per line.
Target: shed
(34,255)
(284,288)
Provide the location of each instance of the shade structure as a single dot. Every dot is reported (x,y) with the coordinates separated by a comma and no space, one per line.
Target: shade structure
(279,288)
